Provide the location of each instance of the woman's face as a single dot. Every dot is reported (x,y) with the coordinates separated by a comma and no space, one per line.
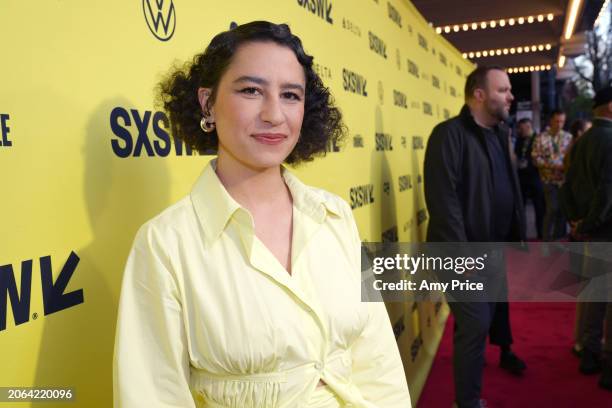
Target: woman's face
(259,106)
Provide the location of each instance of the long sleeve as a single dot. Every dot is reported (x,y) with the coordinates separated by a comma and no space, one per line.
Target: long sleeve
(151,365)
(377,369)
(378,372)
(441,176)
(537,153)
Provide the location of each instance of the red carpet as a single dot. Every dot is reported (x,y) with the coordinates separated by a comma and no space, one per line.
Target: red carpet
(543,336)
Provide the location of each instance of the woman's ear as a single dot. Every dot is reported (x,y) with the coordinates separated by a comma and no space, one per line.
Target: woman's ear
(203,96)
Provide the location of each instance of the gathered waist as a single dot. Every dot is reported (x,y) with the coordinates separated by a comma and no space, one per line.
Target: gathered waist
(293,387)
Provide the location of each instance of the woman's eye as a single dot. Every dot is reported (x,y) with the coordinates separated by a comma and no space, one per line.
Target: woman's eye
(250,91)
(292,96)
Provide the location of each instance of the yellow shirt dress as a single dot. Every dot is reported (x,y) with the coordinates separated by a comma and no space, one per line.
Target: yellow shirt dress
(209,318)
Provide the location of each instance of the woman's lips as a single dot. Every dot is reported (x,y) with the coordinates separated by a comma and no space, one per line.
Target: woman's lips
(270,138)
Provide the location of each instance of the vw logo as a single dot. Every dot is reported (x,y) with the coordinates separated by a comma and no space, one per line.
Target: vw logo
(160,17)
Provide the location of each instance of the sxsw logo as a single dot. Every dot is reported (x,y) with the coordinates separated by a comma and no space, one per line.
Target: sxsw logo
(132,130)
(358,141)
(361,195)
(435,81)
(320,8)
(413,68)
(384,141)
(443,59)
(377,45)
(423,42)
(160,16)
(54,298)
(394,15)
(4,131)
(390,235)
(353,82)
(427,108)
(400,99)
(417,142)
(405,182)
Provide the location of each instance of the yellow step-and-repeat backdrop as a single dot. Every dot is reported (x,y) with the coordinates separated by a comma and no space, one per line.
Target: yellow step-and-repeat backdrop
(85,157)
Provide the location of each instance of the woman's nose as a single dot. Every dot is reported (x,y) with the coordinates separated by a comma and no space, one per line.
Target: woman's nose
(271,111)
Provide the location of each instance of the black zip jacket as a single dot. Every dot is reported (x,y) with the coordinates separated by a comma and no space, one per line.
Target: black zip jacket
(458,182)
(587,192)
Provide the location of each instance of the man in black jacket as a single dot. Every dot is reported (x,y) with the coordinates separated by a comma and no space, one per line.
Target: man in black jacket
(473,195)
(587,201)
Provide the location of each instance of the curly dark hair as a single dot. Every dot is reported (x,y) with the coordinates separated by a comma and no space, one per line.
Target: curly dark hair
(178,93)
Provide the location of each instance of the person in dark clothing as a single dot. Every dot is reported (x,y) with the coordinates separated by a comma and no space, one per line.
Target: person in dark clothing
(576,129)
(529,177)
(587,202)
(473,195)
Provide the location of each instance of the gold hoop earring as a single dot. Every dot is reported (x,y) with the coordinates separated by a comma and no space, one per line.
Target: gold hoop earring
(207,126)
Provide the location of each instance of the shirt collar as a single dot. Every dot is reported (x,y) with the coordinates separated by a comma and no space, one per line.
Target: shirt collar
(214,206)
(313,202)
(561,132)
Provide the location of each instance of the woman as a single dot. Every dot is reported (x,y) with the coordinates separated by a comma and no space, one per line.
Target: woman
(246,293)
